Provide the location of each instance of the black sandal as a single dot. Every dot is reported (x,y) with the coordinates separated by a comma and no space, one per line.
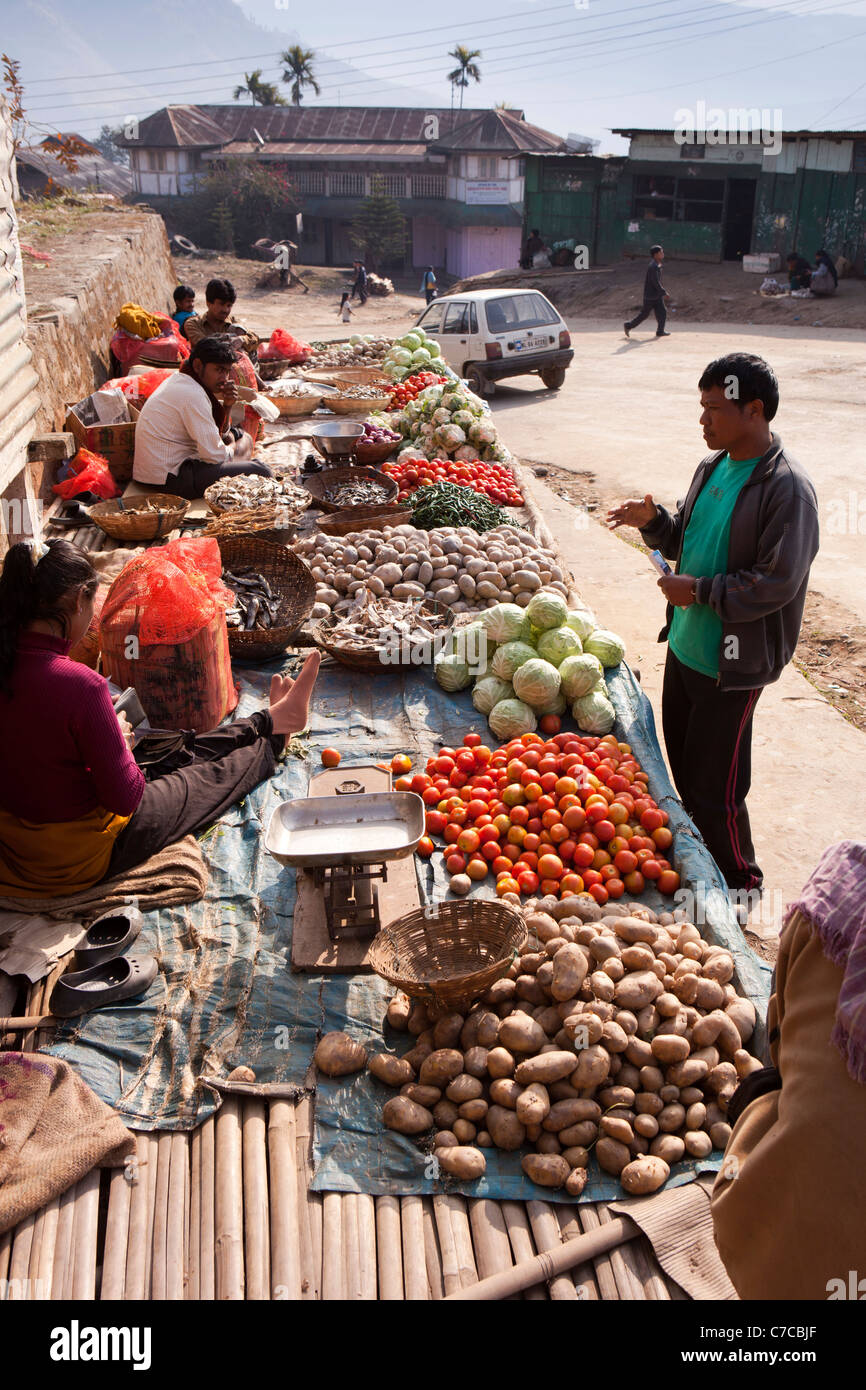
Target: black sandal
(109,936)
(114,980)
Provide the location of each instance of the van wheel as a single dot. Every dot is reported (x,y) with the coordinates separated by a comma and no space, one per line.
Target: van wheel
(477,381)
(553,377)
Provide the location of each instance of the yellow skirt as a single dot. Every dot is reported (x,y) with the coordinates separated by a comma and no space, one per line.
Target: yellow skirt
(56,858)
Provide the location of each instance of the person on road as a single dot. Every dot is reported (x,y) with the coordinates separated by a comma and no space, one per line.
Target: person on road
(799,272)
(359,286)
(823,258)
(217,320)
(743,541)
(428,284)
(345,309)
(534,246)
(183,442)
(654,296)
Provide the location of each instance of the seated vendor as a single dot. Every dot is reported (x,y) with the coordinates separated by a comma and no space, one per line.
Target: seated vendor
(184,304)
(799,272)
(182,443)
(220,296)
(74,806)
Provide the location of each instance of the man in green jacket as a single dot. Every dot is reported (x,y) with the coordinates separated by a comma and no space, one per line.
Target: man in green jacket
(743,541)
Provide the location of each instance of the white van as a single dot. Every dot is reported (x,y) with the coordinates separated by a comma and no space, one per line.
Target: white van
(485,335)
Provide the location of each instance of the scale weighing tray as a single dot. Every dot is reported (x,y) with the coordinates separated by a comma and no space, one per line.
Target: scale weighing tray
(333,831)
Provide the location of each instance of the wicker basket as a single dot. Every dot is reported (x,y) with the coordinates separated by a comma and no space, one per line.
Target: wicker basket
(373,452)
(355,405)
(448,954)
(292,583)
(369,659)
(353,375)
(273,367)
(318,483)
(147,519)
(295,405)
(348,519)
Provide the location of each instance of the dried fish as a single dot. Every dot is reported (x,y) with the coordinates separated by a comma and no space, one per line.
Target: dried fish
(257,606)
(373,624)
(362,493)
(249,490)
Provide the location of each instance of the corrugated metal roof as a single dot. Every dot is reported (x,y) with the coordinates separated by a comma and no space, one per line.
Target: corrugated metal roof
(91,171)
(318,149)
(500,132)
(786,134)
(203,126)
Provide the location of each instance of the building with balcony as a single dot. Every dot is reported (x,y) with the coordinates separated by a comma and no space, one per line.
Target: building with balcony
(458,176)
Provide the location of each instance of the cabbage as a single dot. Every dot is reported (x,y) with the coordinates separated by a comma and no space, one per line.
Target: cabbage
(557,643)
(510,718)
(509,656)
(402,357)
(536,682)
(528,633)
(504,621)
(452,672)
(473,645)
(609,648)
(582,621)
(594,712)
(355,339)
(420,357)
(556,706)
(436,364)
(489,691)
(547,609)
(411,341)
(580,675)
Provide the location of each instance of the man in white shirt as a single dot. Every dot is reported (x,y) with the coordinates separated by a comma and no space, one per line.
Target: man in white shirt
(181,439)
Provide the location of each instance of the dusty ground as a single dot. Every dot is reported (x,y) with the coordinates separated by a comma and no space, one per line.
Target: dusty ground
(701,292)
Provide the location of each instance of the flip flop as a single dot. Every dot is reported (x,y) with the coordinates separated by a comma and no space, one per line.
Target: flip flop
(83,990)
(109,936)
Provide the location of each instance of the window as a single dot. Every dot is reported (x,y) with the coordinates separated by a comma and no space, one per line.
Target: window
(392,185)
(859,164)
(456,318)
(428,185)
(347,185)
(432,319)
(307,180)
(693,151)
(473,319)
(684,199)
(511,311)
(488,166)
(156,159)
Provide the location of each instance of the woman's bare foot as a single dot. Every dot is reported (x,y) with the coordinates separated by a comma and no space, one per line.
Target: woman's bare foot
(290,699)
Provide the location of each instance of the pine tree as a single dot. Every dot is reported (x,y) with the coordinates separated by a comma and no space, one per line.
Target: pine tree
(379,229)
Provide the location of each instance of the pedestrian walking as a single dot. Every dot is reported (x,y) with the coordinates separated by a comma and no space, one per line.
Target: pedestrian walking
(359,286)
(654,296)
(428,284)
(743,541)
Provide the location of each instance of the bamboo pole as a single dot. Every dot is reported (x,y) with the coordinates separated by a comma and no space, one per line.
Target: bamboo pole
(332,1238)
(389,1253)
(447,1245)
(60,1288)
(583,1276)
(42,1257)
(138,1243)
(19,1265)
(622,1264)
(5,1253)
(489,1237)
(194,1218)
(152,1176)
(229,1202)
(414,1260)
(367,1245)
(432,1257)
(187,1205)
(116,1236)
(207,1254)
(160,1216)
(311,1208)
(284,1204)
(35,1008)
(607,1286)
(522,1244)
(463,1240)
(351,1248)
(84,1237)
(257,1262)
(179,1163)
(551,1264)
(545,1228)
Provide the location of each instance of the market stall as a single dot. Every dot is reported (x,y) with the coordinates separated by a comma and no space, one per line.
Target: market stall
(532,1031)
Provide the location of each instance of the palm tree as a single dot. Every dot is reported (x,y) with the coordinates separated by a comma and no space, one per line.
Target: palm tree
(466,68)
(299,71)
(262,93)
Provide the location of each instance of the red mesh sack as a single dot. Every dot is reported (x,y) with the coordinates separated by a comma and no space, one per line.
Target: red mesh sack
(202,556)
(282,344)
(90,473)
(139,386)
(163,631)
(244,374)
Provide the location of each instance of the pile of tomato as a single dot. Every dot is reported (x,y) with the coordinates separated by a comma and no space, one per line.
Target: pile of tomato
(570,814)
(407,390)
(494,480)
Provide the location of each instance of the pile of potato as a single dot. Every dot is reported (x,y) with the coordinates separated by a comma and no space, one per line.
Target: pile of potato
(466,570)
(616,1032)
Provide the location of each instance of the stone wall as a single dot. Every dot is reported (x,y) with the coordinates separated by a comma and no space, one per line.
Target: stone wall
(69,335)
(19,400)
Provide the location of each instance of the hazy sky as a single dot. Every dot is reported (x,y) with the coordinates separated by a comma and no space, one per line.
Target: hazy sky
(574,66)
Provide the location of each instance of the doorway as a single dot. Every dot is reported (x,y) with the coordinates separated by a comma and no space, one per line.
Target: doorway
(739,212)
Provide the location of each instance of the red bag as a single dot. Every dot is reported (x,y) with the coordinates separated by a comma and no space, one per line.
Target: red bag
(170,348)
(140,386)
(90,473)
(283,345)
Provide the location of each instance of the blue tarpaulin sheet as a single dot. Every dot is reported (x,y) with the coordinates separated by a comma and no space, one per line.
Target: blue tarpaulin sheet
(226,994)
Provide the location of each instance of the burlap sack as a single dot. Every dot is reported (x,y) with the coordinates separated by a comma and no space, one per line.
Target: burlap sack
(53,1130)
(788,1204)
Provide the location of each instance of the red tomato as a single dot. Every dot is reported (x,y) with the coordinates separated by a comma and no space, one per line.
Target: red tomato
(651,869)
(430,796)
(599,892)
(615,887)
(668,881)
(506,884)
(444,764)
(468,841)
(634,883)
(528,882)
(550,724)
(570,884)
(662,837)
(652,819)
(435,822)
(477,868)
(583,856)
(450,833)
(421,781)
(511,851)
(403,784)
(330,757)
(472,740)
(551,866)
(401,762)
(625,861)
(466,762)
(491,850)
(502,865)
(425,847)
(455,863)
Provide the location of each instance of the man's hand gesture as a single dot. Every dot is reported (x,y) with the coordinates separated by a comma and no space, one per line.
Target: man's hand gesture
(633,513)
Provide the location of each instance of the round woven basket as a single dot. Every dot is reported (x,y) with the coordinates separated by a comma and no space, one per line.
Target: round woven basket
(447,954)
(369,658)
(374,452)
(273,367)
(317,484)
(293,586)
(295,405)
(355,405)
(142,519)
(353,375)
(349,519)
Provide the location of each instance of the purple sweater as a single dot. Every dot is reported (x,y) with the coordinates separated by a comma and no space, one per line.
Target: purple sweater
(61,752)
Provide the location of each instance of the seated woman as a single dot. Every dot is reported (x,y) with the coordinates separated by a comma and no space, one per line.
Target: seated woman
(182,442)
(74,806)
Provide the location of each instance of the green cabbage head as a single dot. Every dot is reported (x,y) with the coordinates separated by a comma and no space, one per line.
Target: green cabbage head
(510,718)
(557,643)
(536,682)
(547,609)
(580,675)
